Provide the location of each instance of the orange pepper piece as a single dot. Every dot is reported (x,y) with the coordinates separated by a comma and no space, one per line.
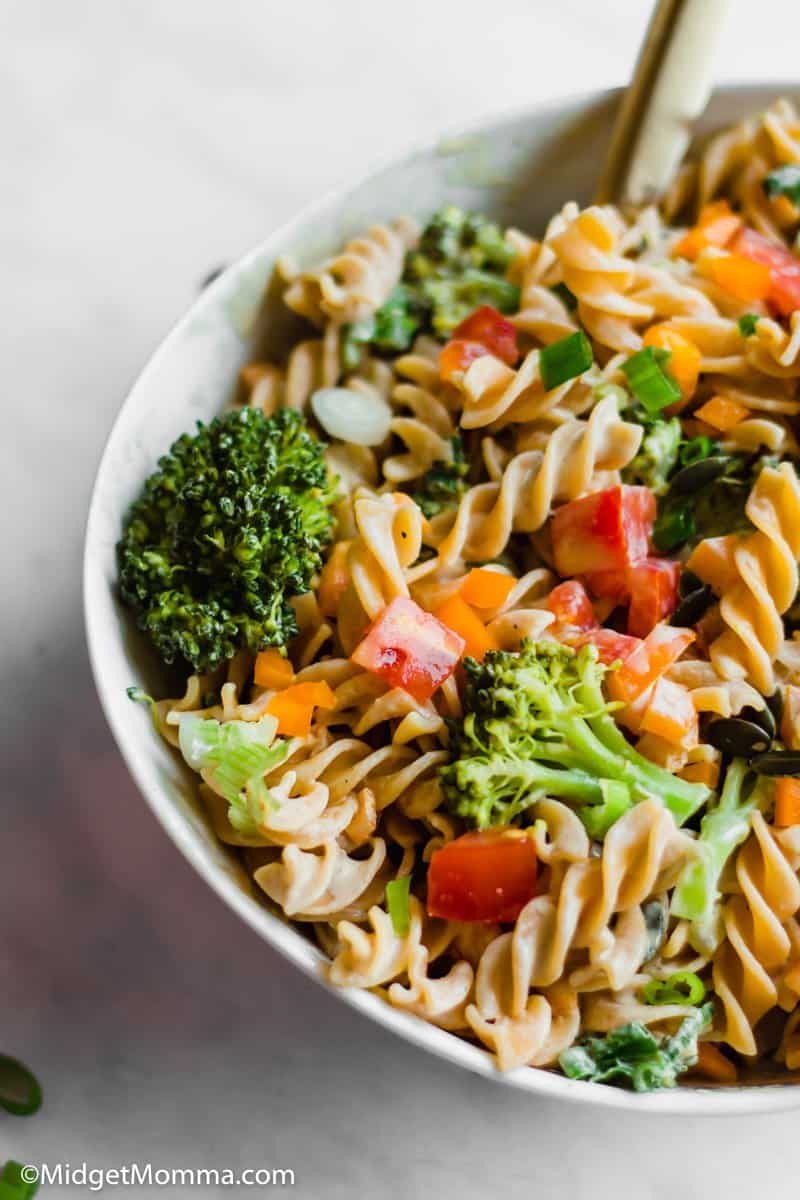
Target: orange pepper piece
(787,802)
(457,615)
(487,589)
(722,413)
(272,669)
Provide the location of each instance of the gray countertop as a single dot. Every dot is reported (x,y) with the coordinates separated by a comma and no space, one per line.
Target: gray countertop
(143,145)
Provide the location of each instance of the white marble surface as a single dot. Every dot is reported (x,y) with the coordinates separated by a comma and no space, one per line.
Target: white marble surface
(143,144)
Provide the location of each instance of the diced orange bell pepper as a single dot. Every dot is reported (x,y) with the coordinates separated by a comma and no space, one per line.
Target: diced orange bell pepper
(712,560)
(701,772)
(457,356)
(712,1064)
(294,706)
(487,589)
(648,661)
(787,802)
(671,714)
(333,580)
(741,277)
(722,413)
(716,226)
(684,365)
(463,620)
(272,669)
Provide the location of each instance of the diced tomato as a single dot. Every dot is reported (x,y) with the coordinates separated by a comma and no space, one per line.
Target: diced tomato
(609,585)
(611,646)
(784,293)
(410,649)
(457,615)
(670,714)
(482,876)
(489,327)
(649,661)
(456,357)
(571,606)
(653,587)
(605,531)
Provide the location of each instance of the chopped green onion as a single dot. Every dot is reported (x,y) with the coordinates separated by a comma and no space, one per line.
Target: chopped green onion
(673,528)
(784,181)
(397,897)
(569,298)
(139,696)
(747,324)
(20,1093)
(682,987)
(14,1185)
(650,383)
(565,359)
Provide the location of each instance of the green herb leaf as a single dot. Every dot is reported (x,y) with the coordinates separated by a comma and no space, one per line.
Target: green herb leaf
(632,1056)
(748,323)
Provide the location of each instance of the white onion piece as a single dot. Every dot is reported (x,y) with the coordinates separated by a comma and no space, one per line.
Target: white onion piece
(352,416)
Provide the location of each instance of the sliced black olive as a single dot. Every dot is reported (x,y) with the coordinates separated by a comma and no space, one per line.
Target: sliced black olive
(740,739)
(692,606)
(775,706)
(762,717)
(698,474)
(688,583)
(777,762)
(656,919)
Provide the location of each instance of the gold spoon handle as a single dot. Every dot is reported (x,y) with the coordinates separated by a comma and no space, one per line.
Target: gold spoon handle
(670,88)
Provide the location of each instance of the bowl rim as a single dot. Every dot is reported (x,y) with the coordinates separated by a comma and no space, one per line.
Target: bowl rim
(277,932)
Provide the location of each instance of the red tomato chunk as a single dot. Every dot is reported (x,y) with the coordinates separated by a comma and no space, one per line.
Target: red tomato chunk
(784,293)
(489,327)
(571,605)
(482,877)
(606,531)
(409,649)
(611,647)
(653,586)
(457,356)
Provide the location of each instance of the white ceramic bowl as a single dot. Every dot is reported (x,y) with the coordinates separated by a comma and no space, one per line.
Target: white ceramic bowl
(518,168)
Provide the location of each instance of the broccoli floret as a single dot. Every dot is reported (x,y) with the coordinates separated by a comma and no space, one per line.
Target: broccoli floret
(455,240)
(658,455)
(723,828)
(227,530)
(453,299)
(632,1056)
(443,483)
(390,330)
(536,724)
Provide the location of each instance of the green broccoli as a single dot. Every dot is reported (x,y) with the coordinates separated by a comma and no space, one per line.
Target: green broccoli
(391,329)
(536,723)
(227,530)
(443,483)
(454,240)
(658,453)
(723,828)
(632,1056)
(460,264)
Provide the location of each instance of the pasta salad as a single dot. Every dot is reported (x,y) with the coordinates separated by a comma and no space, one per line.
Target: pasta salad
(486,601)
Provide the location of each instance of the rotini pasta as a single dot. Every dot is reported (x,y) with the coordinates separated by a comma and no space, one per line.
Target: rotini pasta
(488,596)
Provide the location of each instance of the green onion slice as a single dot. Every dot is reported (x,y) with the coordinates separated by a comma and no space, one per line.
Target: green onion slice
(565,359)
(747,324)
(650,382)
(20,1093)
(682,987)
(397,901)
(784,181)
